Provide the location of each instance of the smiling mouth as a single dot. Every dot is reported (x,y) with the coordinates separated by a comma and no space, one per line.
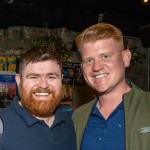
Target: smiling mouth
(101,76)
(41,94)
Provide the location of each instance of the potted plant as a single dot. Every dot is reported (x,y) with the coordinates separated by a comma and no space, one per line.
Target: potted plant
(54,43)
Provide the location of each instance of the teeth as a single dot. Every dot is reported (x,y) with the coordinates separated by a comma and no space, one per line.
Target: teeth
(101,76)
(41,94)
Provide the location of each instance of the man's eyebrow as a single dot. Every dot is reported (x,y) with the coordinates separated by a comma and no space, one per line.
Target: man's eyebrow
(32,74)
(35,74)
(53,73)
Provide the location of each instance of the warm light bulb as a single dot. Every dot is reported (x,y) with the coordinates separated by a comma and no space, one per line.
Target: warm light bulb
(145,1)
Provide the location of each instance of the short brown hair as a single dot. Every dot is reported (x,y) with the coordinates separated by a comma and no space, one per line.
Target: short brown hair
(38,54)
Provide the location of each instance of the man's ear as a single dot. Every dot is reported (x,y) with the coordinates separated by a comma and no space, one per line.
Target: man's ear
(17,77)
(81,65)
(126,57)
(62,76)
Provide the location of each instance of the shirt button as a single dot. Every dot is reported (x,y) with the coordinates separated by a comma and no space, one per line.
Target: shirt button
(119,125)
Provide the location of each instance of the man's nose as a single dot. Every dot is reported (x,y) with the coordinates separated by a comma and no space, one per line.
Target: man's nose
(43,83)
(98,65)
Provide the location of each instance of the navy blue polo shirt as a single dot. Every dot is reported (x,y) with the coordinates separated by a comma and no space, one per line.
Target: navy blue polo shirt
(101,134)
(22,131)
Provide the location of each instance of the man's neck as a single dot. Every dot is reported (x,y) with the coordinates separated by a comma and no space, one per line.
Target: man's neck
(106,108)
(49,120)
(108,102)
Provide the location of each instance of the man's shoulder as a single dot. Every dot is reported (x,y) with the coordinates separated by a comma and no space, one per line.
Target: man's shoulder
(87,105)
(63,115)
(140,92)
(7,113)
(4,113)
(5,110)
(83,109)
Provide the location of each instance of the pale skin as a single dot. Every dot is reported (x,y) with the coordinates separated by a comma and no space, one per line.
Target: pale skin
(41,74)
(103,65)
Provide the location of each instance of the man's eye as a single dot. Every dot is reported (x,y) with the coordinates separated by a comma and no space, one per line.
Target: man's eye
(32,77)
(53,77)
(88,61)
(105,57)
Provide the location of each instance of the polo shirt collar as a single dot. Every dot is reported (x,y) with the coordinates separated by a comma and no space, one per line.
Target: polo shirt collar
(30,119)
(58,117)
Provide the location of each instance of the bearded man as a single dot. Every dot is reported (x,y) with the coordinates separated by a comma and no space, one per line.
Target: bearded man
(35,122)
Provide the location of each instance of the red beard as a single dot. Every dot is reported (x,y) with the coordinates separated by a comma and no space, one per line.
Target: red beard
(43,107)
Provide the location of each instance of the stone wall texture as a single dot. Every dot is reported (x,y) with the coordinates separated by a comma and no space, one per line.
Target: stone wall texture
(16,40)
